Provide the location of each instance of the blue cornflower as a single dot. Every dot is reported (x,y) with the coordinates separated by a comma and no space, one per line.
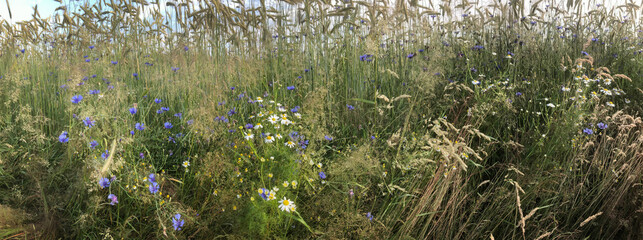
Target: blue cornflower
(133,110)
(93,144)
(135,74)
(588,131)
(76,99)
(105,155)
(140,126)
(92,92)
(295,109)
(189,122)
(179,115)
(159,111)
(350,107)
(518,94)
(91,47)
(249,126)
(290,87)
(177,222)
(22,50)
(113,199)
(329,138)
(167,125)
(104,182)
(322,175)
(186,48)
(232,111)
(411,55)
(369,216)
(141,155)
(63,137)
(88,60)
(88,122)
(175,69)
(601,125)
(132,132)
(156,100)
(114,62)
(165,109)
(154,187)
(152,177)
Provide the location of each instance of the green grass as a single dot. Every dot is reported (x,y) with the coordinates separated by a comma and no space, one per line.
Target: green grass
(459,141)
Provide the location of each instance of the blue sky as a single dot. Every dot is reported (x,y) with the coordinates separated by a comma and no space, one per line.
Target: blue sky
(23,9)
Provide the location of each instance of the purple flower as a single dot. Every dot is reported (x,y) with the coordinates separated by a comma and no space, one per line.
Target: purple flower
(167,125)
(104,182)
(113,198)
(350,107)
(92,92)
(91,47)
(63,137)
(140,126)
(186,48)
(87,60)
(165,109)
(152,177)
(157,100)
(328,138)
(411,55)
(105,155)
(114,62)
(601,125)
(135,74)
(177,222)
(369,216)
(322,175)
(76,99)
(132,132)
(179,115)
(93,144)
(290,87)
(142,155)
(133,110)
(249,126)
(588,131)
(518,94)
(154,187)
(88,122)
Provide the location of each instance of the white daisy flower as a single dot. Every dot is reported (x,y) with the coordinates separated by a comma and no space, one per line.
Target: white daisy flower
(290,144)
(286,205)
(258,126)
(297,115)
(269,139)
(611,104)
(285,184)
(281,108)
(259,99)
(285,121)
(186,164)
(273,119)
(551,105)
(293,184)
(248,136)
(565,89)
(278,136)
(475,82)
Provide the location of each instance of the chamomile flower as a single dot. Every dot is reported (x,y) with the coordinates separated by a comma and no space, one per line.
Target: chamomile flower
(281,109)
(285,121)
(290,144)
(285,184)
(286,205)
(272,195)
(269,175)
(565,89)
(186,164)
(269,139)
(610,104)
(297,115)
(258,126)
(273,119)
(278,136)
(248,136)
(293,184)
(475,82)
(259,99)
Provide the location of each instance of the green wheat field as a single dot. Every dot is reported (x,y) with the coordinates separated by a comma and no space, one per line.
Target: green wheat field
(322,119)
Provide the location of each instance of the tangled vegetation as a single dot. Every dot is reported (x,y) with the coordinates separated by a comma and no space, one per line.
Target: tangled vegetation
(204,119)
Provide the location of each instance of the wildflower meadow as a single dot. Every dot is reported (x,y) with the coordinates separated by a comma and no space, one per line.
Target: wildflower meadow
(342,119)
